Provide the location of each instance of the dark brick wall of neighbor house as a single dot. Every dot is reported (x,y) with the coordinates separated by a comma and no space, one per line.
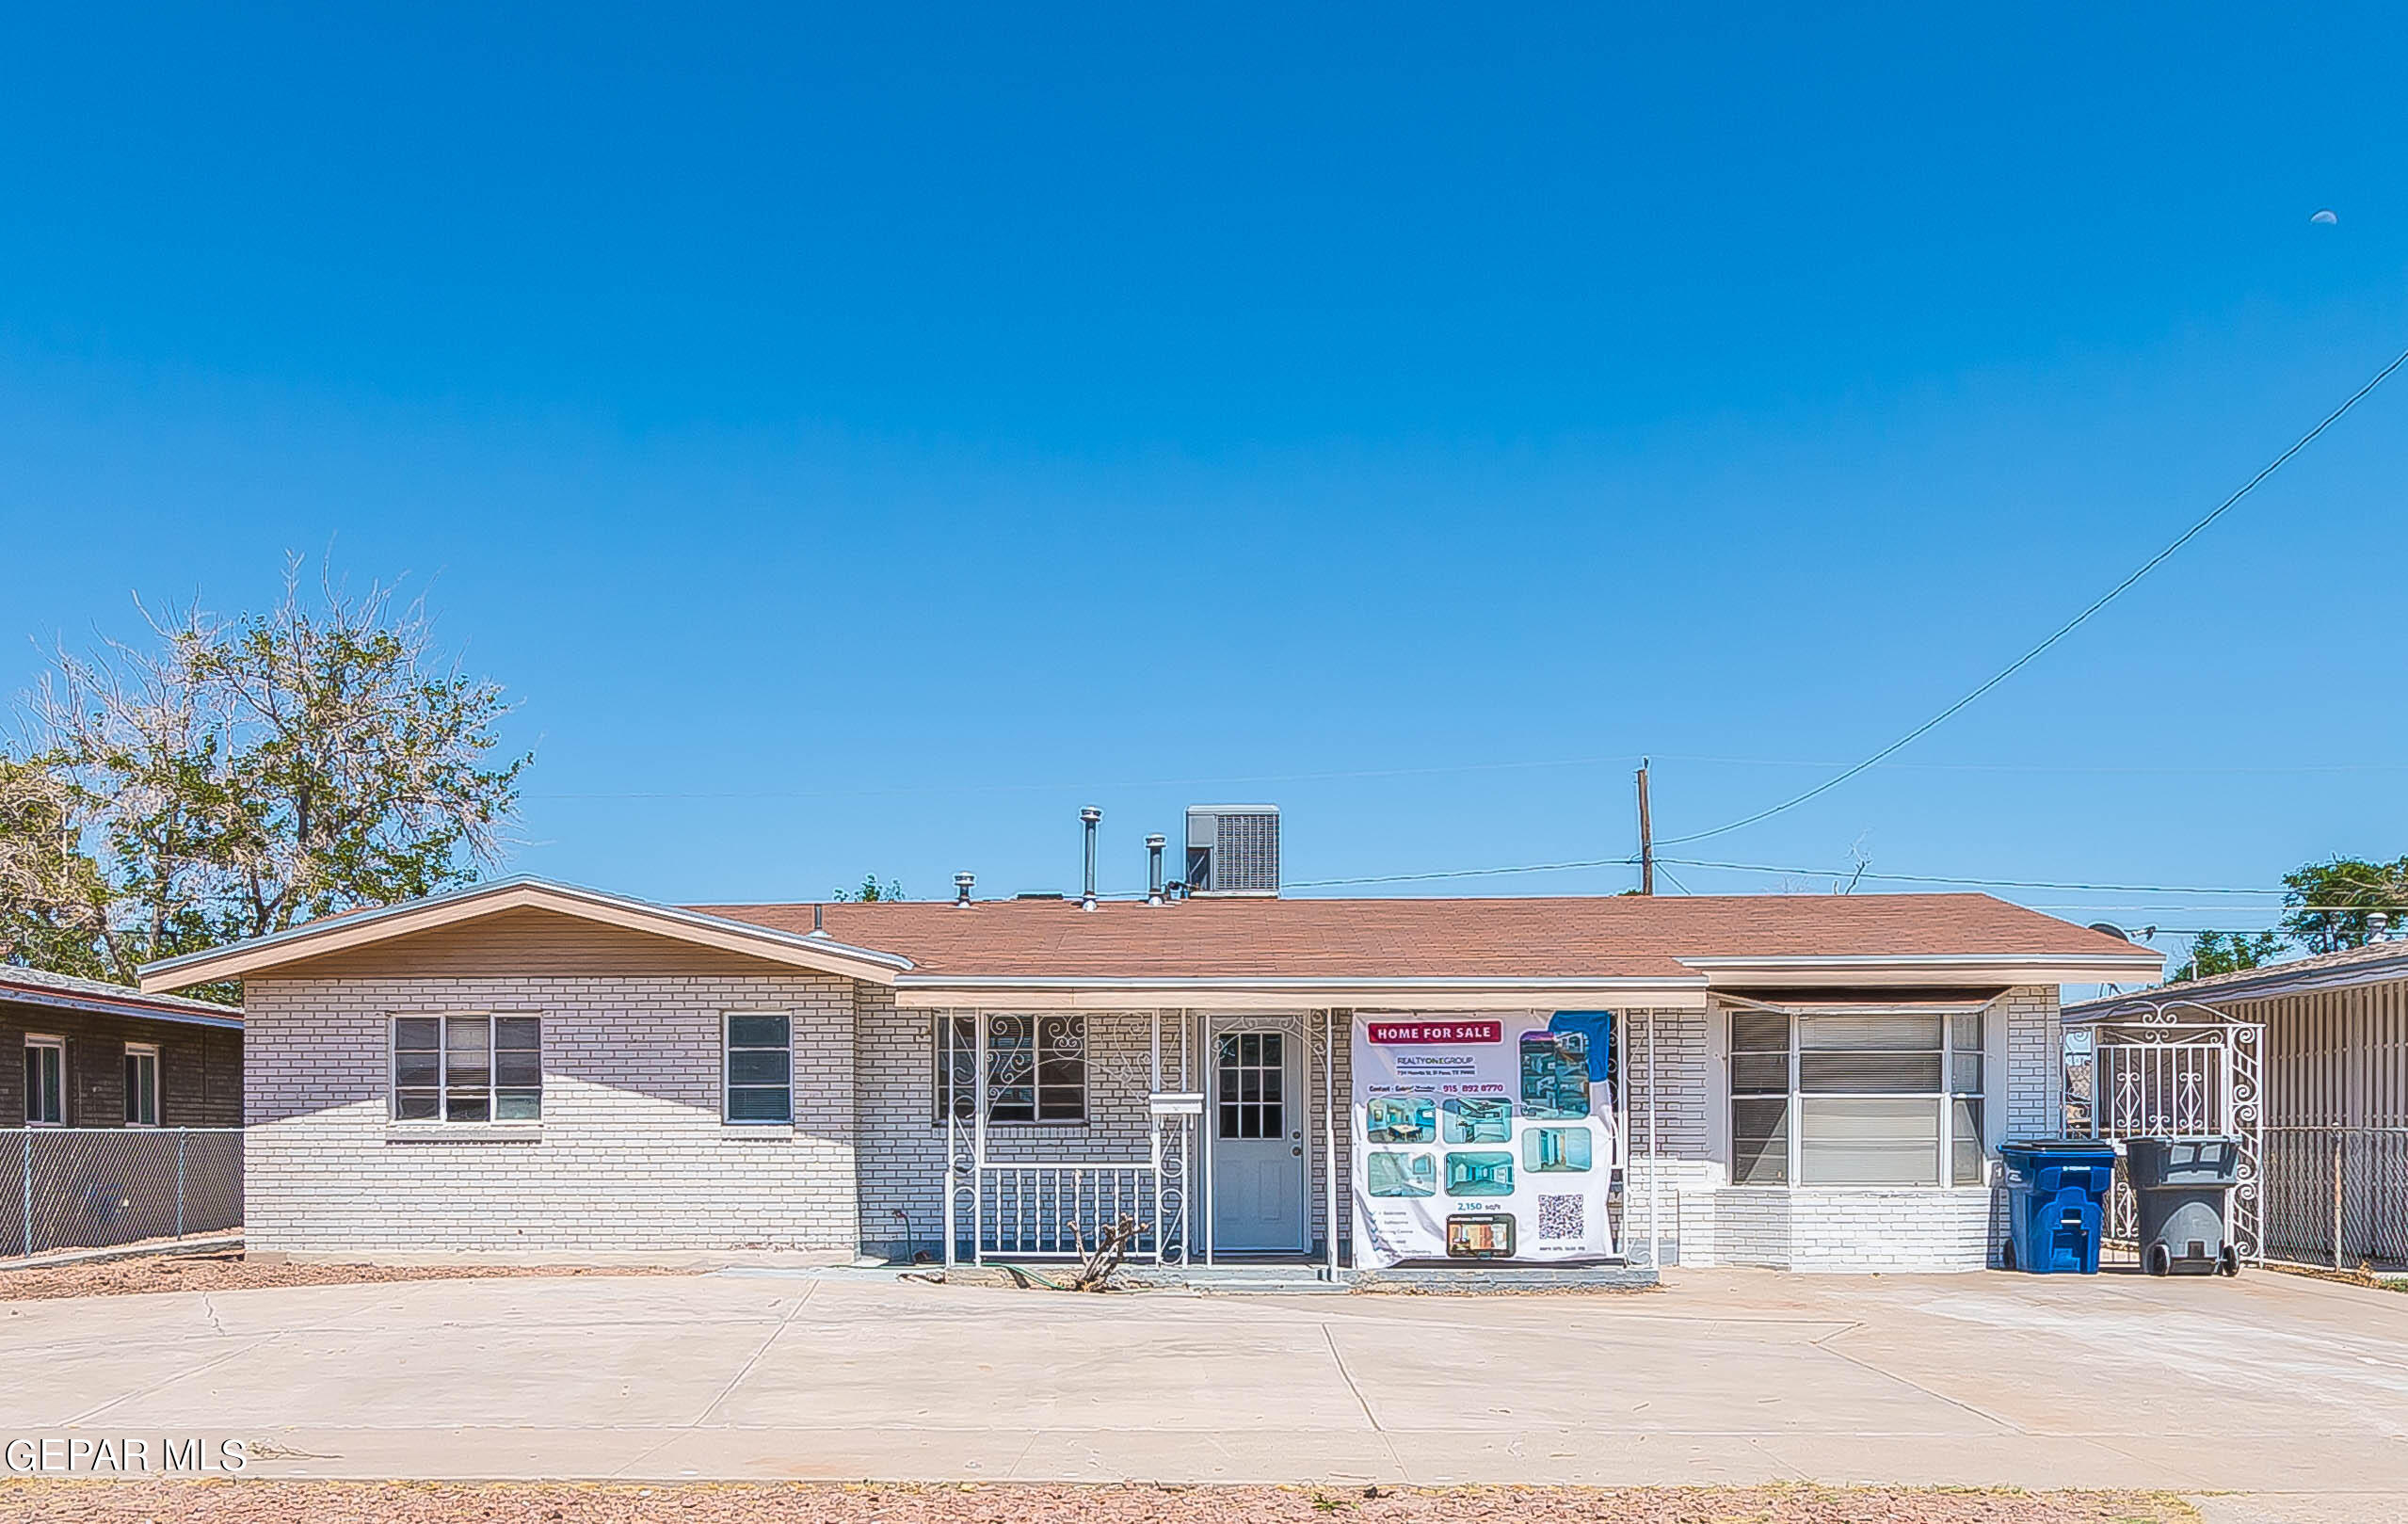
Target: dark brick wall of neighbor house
(201,1069)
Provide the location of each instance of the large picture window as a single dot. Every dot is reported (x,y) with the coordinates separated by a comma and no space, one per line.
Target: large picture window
(467,1068)
(761,1068)
(1037,1068)
(1857,1100)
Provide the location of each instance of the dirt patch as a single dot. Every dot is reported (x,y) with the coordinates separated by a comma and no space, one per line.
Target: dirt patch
(233,1273)
(2364,1276)
(339,1503)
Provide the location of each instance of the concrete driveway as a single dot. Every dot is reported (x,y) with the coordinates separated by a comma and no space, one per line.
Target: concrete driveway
(2269,1384)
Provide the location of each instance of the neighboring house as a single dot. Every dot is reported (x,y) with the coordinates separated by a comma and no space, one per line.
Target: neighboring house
(103,1056)
(2331,1087)
(528,1067)
(120,1113)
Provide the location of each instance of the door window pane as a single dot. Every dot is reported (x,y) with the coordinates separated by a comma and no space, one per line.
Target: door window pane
(1252,1073)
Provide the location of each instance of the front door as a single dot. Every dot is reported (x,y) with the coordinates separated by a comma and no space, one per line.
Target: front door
(1257,1120)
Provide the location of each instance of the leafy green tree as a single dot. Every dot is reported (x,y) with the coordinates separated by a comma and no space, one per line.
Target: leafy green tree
(240,776)
(2330,900)
(871,892)
(2228,952)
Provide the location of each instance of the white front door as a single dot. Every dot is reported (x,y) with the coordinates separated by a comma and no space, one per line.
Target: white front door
(1257,1121)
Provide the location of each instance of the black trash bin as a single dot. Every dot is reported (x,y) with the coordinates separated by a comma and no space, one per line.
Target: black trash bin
(2181,1186)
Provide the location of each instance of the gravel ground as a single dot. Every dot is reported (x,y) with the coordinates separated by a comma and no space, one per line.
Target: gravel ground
(233,1273)
(340,1503)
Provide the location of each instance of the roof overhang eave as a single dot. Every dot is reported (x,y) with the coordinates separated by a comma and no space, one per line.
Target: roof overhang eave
(63,1000)
(240,959)
(1974,968)
(922,991)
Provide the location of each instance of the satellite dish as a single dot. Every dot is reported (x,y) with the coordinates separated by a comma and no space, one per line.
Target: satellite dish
(2111,929)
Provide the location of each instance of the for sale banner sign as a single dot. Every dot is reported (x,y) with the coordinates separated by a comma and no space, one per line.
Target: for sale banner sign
(1483,1138)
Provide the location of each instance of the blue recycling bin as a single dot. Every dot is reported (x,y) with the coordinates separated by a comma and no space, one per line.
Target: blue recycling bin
(2056,1203)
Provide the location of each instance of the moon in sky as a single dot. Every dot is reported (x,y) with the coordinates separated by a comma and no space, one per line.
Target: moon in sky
(2324,219)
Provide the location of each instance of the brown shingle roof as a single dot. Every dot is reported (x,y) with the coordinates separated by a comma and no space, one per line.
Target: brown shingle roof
(1618,937)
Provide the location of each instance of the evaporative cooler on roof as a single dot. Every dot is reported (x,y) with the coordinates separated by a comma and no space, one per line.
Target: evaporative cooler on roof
(1233,849)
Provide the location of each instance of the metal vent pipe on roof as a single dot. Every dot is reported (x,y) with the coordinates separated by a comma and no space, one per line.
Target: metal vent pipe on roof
(962,881)
(1154,845)
(1089,817)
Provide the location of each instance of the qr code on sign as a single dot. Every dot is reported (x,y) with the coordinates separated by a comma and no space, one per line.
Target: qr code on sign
(1562,1217)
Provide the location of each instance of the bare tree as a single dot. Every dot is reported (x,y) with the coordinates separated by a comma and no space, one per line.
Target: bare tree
(247,774)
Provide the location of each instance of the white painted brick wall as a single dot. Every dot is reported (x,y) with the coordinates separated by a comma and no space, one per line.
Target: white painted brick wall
(1860,1230)
(631,1153)
(2035,1062)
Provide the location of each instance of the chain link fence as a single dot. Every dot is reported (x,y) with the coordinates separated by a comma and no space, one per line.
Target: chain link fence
(97,1188)
(2338,1195)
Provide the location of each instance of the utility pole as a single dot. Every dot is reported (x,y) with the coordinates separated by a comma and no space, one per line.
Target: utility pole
(1646,835)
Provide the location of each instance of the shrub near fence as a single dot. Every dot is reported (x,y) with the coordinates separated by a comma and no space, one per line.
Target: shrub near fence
(96,1188)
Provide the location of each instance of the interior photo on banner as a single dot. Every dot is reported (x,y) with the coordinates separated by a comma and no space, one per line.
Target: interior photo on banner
(1483,1137)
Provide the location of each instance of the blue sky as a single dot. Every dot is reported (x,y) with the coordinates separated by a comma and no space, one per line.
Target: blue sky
(860,442)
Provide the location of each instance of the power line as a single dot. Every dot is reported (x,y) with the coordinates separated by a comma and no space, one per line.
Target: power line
(1461,873)
(1341,776)
(2064,630)
(1123,783)
(1975,883)
(1852,873)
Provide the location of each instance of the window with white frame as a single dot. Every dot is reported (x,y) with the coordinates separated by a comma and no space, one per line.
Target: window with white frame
(1888,1098)
(467,1068)
(45,1081)
(141,1084)
(1037,1068)
(759,1066)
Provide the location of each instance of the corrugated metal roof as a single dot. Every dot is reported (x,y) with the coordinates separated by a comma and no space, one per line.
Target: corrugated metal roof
(2375,963)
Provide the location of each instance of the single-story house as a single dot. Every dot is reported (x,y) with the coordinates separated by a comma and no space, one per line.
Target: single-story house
(100,1089)
(2325,1060)
(1809,1082)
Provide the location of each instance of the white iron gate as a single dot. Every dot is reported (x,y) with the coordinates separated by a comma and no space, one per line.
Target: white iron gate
(2174,1070)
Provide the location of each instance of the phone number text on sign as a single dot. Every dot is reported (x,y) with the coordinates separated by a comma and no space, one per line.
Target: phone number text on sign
(1427,1032)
